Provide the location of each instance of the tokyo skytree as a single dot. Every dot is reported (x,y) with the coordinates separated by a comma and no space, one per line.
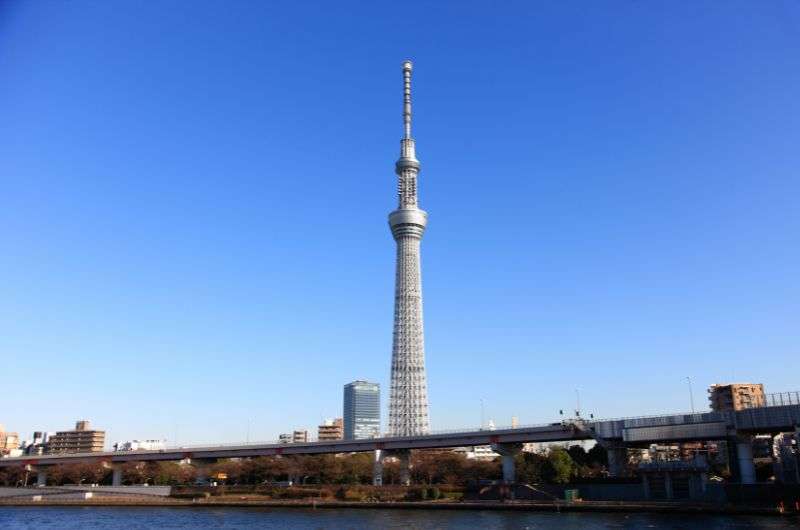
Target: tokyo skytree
(408,398)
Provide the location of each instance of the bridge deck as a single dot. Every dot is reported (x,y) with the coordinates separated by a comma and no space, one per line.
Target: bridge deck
(632,431)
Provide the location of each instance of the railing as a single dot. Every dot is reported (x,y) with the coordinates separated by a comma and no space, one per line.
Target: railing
(464,430)
(776,399)
(385,435)
(771,400)
(779,399)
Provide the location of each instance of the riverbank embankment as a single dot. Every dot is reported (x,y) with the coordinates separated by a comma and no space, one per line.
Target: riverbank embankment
(550,506)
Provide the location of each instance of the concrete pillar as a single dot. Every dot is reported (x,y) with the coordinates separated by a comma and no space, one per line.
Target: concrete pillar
(509,469)
(405,466)
(796,455)
(41,477)
(116,474)
(508,453)
(617,460)
(744,456)
(201,468)
(377,469)
(668,485)
(646,485)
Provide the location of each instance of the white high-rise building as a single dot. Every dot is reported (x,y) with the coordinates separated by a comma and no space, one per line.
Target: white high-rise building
(408,395)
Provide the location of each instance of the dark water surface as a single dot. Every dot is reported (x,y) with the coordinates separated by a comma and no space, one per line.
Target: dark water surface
(13,518)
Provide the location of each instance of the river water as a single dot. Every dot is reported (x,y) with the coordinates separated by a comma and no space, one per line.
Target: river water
(71,518)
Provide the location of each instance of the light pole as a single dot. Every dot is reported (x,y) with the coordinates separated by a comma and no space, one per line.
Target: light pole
(691,396)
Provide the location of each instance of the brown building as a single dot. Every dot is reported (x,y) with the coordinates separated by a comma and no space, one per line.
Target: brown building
(81,440)
(8,441)
(300,437)
(331,430)
(736,396)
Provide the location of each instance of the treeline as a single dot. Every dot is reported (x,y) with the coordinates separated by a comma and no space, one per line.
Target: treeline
(428,467)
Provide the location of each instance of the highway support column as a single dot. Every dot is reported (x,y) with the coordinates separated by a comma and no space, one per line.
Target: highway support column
(377,468)
(404,455)
(744,456)
(116,474)
(508,452)
(201,468)
(41,476)
(617,460)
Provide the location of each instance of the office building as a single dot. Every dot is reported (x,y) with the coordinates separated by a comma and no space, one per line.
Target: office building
(362,410)
(81,440)
(331,430)
(736,396)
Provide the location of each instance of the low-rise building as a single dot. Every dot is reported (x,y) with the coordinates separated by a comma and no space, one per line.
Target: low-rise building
(331,430)
(9,441)
(297,437)
(80,440)
(736,396)
(300,437)
(477,452)
(140,445)
(38,444)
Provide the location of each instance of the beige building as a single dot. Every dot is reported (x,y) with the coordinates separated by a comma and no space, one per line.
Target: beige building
(81,440)
(8,441)
(736,396)
(300,437)
(331,430)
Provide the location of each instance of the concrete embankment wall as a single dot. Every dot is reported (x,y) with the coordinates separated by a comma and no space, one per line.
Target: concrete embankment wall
(157,491)
(79,491)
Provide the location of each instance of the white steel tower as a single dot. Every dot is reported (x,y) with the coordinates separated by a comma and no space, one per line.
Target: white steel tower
(408,399)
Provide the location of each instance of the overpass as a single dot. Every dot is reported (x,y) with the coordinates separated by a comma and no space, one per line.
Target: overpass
(615,435)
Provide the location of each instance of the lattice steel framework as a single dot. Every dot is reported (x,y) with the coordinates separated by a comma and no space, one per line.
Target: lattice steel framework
(408,399)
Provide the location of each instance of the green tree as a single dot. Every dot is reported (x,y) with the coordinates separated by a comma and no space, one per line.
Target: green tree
(597,456)
(559,467)
(529,467)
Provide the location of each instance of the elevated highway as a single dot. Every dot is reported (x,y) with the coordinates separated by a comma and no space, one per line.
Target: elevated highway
(616,435)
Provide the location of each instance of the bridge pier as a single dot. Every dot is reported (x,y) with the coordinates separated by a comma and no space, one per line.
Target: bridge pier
(508,454)
(744,456)
(201,468)
(116,474)
(377,468)
(402,455)
(405,466)
(41,476)
(617,460)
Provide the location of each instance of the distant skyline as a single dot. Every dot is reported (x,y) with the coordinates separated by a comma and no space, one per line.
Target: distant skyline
(194,235)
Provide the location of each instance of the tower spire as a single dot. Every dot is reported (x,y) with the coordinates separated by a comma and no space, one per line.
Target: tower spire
(408,66)
(407,166)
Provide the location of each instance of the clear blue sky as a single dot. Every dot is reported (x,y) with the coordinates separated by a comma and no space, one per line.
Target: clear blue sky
(193,223)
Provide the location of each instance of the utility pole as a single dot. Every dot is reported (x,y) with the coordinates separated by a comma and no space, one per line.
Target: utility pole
(481,413)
